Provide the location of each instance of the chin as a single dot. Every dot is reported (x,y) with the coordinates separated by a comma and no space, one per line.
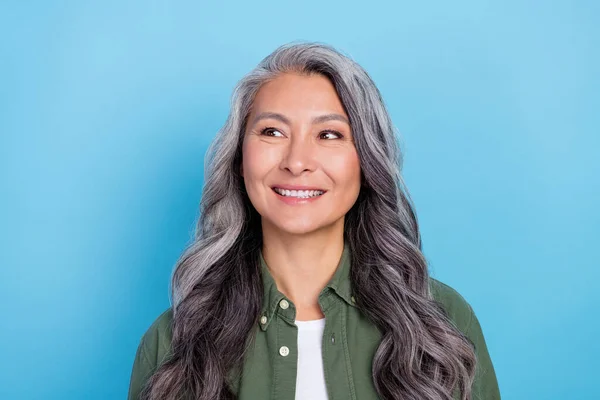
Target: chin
(296,227)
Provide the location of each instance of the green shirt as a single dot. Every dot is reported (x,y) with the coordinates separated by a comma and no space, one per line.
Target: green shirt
(349,343)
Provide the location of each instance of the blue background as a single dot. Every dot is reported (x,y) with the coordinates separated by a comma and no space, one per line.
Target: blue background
(107,109)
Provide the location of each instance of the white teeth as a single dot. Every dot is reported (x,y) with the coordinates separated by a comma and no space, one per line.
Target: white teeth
(303,194)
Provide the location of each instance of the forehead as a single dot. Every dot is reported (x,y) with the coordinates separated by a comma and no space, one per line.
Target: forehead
(292,92)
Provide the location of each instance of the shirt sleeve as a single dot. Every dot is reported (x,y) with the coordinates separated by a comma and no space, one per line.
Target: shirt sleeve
(485,386)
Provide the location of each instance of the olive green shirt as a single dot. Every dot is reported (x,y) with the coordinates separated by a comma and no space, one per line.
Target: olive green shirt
(349,344)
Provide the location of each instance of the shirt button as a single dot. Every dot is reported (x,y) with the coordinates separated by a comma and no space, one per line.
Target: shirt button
(284,351)
(263,320)
(284,304)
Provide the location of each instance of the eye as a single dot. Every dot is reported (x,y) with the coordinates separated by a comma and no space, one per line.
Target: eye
(269,129)
(331,133)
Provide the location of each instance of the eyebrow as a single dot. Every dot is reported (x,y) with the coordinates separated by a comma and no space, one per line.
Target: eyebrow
(316,120)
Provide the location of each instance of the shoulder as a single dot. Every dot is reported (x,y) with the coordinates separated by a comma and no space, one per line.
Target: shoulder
(457,309)
(460,313)
(157,338)
(153,348)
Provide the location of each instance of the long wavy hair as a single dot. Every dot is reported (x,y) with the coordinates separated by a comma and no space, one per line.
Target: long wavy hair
(216,287)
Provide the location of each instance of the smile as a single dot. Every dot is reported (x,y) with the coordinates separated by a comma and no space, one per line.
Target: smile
(300,194)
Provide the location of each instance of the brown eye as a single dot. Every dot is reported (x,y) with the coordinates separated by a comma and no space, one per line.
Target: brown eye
(332,133)
(268,130)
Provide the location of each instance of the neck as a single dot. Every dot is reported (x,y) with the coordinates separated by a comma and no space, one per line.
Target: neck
(302,265)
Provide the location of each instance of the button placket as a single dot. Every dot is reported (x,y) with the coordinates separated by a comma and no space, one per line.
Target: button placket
(284,351)
(286,362)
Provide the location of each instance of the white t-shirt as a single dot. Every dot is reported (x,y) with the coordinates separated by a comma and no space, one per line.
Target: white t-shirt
(310,381)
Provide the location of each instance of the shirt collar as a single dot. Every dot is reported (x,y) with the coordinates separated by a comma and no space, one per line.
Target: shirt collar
(339,284)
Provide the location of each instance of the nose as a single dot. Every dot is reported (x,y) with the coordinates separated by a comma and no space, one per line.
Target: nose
(299,155)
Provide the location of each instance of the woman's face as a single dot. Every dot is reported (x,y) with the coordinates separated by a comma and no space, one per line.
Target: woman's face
(298,134)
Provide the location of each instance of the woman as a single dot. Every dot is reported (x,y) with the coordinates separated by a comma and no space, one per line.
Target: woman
(306,279)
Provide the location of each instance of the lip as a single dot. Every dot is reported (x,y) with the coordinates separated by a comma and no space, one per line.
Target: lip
(297,187)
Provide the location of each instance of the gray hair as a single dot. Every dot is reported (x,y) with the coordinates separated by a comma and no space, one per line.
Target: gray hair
(218,273)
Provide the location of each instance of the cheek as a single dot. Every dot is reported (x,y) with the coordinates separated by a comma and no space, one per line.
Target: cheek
(256,162)
(249,160)
(346,170)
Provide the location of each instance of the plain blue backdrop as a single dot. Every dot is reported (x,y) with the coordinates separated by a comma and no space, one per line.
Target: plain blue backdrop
(107,109)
